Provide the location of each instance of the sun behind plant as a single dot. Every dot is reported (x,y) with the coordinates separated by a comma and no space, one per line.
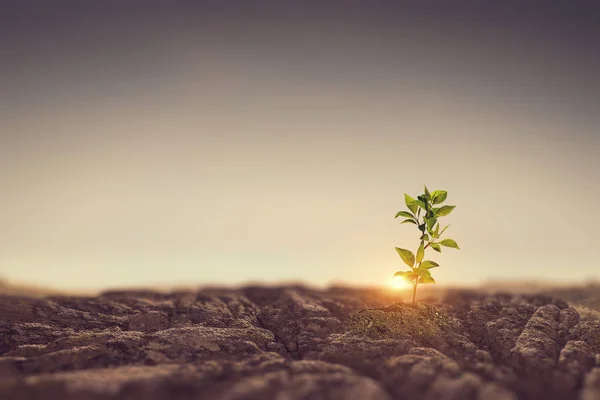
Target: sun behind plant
(430,235)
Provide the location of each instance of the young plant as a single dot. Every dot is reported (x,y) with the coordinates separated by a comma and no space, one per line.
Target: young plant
(430,235)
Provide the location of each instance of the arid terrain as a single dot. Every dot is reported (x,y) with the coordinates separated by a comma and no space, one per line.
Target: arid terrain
(294,342)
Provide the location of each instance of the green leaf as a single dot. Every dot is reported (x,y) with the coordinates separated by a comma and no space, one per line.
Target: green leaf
(420,253)
(424,237)
(407,256)
(422,227)
(449,243)
(420,204)
(430,223)
(439,196)
(404,214)
(435,233)
(427,194)
(425,202)
(410,276)
(406,275)
(445,210)
(428,279)
(423,273)
(436,247)
(410,203)
(410,221)
(429,264)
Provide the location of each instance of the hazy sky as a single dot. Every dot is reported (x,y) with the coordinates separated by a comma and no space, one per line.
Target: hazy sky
(191,142)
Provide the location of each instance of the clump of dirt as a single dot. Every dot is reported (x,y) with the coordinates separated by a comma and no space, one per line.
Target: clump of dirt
(400,321)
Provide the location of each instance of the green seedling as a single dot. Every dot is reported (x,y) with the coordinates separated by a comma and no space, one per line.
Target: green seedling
(430,235)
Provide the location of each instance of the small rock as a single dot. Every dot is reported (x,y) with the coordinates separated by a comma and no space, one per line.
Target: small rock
(589,332)
(151,321)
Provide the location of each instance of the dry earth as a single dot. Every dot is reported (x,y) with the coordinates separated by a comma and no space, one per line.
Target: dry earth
(293,342)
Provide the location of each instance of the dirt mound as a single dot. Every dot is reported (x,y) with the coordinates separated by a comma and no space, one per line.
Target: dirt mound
(295,343)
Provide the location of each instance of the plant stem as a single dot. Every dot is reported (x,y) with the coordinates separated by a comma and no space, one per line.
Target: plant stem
(419,223)
(414,292)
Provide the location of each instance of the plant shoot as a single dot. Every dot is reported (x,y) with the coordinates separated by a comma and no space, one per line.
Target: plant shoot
(430,235)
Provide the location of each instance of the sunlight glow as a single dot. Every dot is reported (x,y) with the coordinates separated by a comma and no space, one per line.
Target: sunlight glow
(399,283)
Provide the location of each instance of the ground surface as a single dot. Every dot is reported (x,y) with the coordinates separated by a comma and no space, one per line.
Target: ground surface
(291,343)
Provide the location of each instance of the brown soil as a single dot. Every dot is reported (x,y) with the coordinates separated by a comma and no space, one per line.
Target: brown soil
(293,342)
